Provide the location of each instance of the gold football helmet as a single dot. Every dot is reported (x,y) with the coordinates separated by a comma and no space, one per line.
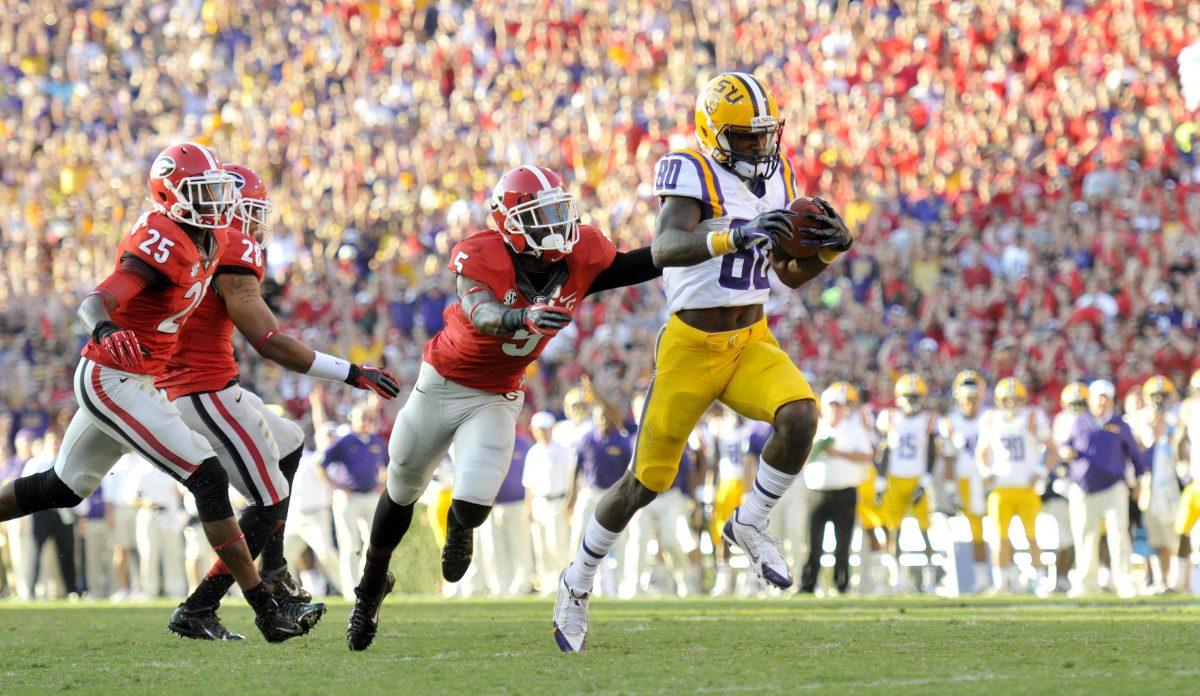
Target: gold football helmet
(1010,393)
(738,124)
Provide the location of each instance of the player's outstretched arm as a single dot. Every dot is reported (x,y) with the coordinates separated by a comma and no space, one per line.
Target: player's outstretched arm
(676,242)
(491,317)
(130,278)
(255,320)
(627,268)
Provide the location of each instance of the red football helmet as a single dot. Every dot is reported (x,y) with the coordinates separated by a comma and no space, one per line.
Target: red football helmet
(535,213)
(252,209)
(187,184)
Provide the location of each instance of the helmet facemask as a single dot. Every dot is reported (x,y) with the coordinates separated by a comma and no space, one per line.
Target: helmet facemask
(254,214)
(548,221)
(909,402)
(755,164)
(205,200)
(969,396)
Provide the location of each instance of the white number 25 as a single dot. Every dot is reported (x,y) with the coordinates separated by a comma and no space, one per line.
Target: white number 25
(164,245)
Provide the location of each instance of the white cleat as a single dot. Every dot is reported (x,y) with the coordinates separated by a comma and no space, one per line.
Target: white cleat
(570,617)
(763,549)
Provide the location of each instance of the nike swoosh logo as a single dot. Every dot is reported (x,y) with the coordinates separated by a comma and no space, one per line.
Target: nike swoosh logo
(123,380)
(419,389)
(238,400)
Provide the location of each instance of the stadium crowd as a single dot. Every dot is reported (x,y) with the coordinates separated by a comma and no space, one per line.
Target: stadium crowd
(1021,176)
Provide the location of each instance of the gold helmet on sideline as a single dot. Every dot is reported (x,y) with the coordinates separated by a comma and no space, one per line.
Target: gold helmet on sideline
(1074,397)
(909,391)
(1010,393)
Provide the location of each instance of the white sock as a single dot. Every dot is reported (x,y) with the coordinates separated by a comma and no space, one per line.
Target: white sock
(769,484)
(592,551)
(983,574)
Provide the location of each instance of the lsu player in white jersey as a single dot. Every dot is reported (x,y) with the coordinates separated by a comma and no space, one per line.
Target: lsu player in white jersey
(1073,401)
(1014,453)
(909,450)
(959,432)
(1187,453)
(723,208)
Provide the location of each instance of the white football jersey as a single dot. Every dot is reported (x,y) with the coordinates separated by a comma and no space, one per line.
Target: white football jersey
(739,278)
(1061,428)
(959,436)
(1015,445)
(1189,415)
(907,441)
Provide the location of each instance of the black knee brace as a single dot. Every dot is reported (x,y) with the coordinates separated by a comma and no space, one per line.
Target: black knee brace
(289,463)
(43,491)
(209,485)
(469,515)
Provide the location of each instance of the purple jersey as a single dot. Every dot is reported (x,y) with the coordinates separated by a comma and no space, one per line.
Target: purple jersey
(353,463)
(602,459)
(511,490)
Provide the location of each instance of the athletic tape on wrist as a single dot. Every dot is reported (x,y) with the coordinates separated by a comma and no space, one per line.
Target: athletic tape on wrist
(719,243)
(328,367)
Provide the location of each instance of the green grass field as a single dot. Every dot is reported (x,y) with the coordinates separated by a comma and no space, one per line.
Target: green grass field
(636,647)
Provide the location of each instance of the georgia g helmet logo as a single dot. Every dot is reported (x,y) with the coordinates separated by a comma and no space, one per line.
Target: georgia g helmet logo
(162,167)
(238,179)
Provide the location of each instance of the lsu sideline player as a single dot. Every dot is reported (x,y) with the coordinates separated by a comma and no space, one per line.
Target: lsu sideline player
(909,453)
(1013,439)
(1187,449)
(959,432)
(722,211)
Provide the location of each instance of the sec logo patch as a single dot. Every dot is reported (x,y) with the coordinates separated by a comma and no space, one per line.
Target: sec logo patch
(510,298)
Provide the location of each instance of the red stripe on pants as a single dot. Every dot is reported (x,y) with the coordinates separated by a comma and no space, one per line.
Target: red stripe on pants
(245,438)
(137,427)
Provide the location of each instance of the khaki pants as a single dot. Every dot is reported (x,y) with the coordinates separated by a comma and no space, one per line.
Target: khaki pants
(507,553)
(352,514)
(549,531)
(160,548)
(1090,511)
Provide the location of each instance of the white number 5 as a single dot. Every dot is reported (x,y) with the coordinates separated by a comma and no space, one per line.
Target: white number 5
(164,246)
(462,256)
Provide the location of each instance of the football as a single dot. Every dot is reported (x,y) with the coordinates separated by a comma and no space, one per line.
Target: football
(791,247)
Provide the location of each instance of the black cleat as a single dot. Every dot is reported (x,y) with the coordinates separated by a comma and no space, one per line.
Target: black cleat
(456,554)
(199,624)
(287,618)
(280,582)
(364,618)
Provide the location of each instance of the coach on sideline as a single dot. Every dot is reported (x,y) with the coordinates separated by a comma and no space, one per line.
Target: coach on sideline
(1097,450)
(839,462)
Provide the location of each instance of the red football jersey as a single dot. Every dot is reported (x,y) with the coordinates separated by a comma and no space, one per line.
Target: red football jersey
(203,359)
(497,364)
(156,315)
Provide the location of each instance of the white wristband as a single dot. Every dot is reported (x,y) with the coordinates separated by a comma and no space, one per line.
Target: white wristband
(328,367)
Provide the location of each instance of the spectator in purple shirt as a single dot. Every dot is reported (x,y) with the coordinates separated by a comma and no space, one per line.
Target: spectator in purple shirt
(1099,450)
(354,467)
(507,544)
(603,454)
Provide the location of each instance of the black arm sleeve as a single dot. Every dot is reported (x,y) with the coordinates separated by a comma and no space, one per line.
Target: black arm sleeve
(931,457)
(627,268)
(154,277)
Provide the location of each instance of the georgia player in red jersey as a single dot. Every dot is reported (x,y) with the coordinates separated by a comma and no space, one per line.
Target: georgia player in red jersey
(518,286)
(163,268)
(259,449)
